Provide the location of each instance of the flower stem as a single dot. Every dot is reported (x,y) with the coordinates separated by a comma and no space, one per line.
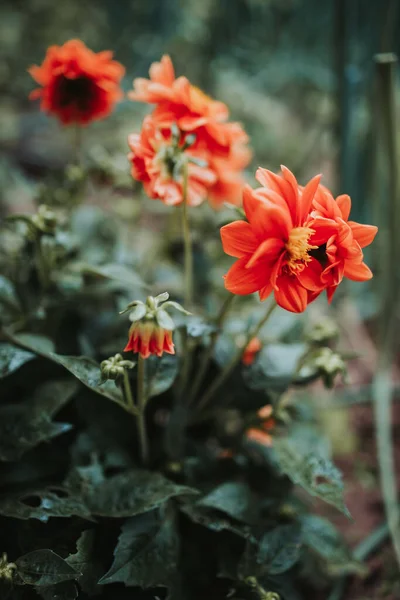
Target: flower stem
(207,355)
(141,421)
(41,264)
(77,144)
(187,241)
(223,376)
(128,393)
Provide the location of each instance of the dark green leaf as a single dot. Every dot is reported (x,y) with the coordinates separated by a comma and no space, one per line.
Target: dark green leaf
(12,358)
(307,466)
(66,590)
(24,425)
(213,521)
(233,498)
(131,493)
(147,552)
(326,541)
(43,568)
(84,369)
(84,562)
(160,373)
(279,549)
(43,504)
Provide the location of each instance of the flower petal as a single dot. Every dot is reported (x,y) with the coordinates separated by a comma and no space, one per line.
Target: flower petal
(291,296)
(291,193)
(344,203)
(357,271)
(269,250)
(238,239)
(310,276)
(306,199)
(363,234)
(242,281)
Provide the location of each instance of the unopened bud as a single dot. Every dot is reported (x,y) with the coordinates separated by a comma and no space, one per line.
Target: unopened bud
(45,220)
(322,332)
(114,367)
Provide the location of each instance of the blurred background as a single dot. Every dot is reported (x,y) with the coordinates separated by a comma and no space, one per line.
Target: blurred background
(314,83)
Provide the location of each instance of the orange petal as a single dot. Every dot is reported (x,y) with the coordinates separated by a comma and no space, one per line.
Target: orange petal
(344,203)
(357,271)
(291,296)
(310,276)
(269,250)
(238,239)
(242,281)
(363,234)
(306,198)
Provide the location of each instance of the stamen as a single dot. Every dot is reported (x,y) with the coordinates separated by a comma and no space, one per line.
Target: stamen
(298,248)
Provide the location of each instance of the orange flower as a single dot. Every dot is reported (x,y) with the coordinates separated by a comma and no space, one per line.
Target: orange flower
(221,143)
(260,433)
(147,337)
(77,85)
(342,256)
(251,350)
(157,160)
(275,247)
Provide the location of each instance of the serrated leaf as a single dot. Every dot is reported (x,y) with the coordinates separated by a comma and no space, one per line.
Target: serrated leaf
(83,368)
(279,549)
(147,552)
(233,498)
(43,504)
(213,521)
(25,425)
(83,562)
(66,590)
(160,373)
(12,358)
(43,568)
(131,493)
(314,472)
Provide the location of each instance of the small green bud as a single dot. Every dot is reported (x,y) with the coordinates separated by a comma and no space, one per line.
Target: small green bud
(114,367)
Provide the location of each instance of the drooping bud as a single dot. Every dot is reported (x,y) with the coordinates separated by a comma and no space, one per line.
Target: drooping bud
(251,351)
(152,326)
(113,367)
(260,431)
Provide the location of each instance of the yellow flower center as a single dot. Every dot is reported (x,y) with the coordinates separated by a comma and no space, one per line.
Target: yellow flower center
(298,248)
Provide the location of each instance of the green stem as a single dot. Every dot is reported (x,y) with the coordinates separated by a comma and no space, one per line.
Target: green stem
(187,241)
(140,420)
(77,144)
(223,376)
(128,393)
(41,264)
(207,355)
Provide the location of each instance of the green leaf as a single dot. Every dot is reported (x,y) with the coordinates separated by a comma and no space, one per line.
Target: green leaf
(302,462)
(43,504)
(164,320)
(320,536)
(233,498)
(279,549)
(12,358)
(137,312)
(83,562)
(27,424)
(147,552)
(214,522)
(66,590)
(84,369)
(160,373)
(274,368)
(43,568)
(131,493)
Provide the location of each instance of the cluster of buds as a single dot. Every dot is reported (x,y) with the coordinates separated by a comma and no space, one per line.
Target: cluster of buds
(260,431)
(172,157)
(114,367)
(45,220)
(152,326)
(7,569)
(322,332)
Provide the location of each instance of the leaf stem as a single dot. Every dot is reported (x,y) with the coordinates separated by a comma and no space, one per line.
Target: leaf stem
(140,419)
(223,376)
(128,393)
(207,354)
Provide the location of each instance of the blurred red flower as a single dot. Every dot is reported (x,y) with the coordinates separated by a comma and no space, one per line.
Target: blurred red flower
(251,351)
(222,143)
(260,434)
(77,85)
(157,160)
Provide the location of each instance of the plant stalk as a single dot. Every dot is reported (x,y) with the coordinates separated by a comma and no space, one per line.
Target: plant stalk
(41,264)
(128,393)
(207,355)
(140,419)
(187,241)
(223,376)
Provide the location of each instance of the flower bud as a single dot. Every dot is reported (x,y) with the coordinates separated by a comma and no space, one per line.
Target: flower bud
(260,431)
(114,367)
(152,326)
(7,569)
(251,351)
(322,332)
(330,364)
(45,220)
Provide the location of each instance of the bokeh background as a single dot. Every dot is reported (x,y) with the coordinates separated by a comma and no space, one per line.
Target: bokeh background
(315,83)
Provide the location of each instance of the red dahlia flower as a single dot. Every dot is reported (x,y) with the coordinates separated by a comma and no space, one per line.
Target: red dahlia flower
(342,256)
(275,245)
(158,158)
(77,85)
(222,143)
